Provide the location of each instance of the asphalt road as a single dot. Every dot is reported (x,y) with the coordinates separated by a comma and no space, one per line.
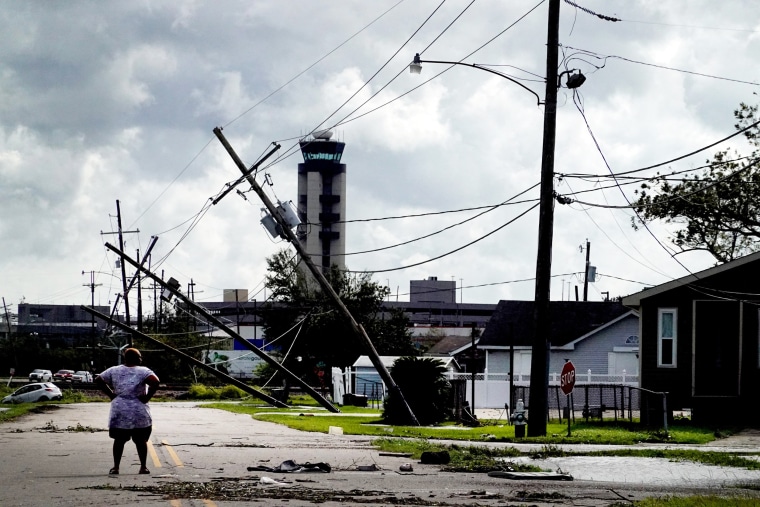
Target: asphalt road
(201,457)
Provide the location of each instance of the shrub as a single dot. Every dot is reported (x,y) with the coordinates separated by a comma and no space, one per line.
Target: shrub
(72,396)
(201,392)
(230,392)
(422,381)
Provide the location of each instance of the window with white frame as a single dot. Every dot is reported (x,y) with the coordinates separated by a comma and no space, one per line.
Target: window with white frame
(667,337)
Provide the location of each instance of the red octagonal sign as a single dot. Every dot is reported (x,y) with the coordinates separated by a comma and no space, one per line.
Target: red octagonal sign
(567,378)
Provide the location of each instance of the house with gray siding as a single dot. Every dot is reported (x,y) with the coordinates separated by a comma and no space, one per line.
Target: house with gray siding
(599,337)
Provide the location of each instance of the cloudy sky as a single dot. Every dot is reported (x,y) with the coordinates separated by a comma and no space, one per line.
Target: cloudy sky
(116,101)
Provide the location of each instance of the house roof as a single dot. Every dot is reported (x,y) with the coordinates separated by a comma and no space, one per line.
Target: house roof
(570,320)
(449,345)
(634,300)
(571,345)
(365,362)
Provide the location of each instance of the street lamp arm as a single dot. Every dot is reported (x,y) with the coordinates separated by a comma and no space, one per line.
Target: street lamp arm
(418,61)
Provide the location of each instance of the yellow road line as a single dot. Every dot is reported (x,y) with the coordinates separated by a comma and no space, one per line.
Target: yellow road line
(173,454)
(209,503)
(175,503)
(153,455)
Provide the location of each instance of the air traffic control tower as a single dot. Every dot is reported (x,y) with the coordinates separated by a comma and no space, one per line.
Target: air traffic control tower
(322,200)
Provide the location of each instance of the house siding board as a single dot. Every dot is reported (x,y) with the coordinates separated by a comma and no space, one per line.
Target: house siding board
(750,354)
(592,353)
(498,362)
(589,353)
(660,379)
(732,281)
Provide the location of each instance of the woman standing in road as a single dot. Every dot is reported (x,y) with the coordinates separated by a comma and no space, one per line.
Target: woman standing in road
(130,387)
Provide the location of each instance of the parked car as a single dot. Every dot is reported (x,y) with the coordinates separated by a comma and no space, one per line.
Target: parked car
(41,376)
(82,376)
(30,393)
(63,375)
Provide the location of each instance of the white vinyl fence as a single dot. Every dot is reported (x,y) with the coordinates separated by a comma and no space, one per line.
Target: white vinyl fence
(492,389)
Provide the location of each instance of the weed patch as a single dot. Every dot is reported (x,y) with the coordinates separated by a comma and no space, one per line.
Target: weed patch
(474,458)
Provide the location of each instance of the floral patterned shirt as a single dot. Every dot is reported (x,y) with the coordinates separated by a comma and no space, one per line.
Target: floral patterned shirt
(128,382)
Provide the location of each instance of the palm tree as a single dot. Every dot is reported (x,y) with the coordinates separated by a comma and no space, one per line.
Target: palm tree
(422,380)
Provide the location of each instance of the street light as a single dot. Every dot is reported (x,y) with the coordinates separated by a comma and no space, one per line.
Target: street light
(539,368)
(416,68)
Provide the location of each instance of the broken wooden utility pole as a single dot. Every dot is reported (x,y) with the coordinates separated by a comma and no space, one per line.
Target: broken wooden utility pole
(242,385)
(238,338)
(318,276)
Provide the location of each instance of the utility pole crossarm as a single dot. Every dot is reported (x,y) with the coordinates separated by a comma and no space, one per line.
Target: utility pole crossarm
(318,276)
(246,174)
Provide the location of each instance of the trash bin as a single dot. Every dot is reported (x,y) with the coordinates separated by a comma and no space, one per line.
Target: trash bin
(356,400)
(279,395)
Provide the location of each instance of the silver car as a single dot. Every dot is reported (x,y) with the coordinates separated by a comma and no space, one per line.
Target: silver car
(39,375)
(30,393)
(82,376)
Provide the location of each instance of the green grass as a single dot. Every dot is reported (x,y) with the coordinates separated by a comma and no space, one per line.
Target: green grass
(319,420)
(414,440)
(16,410)
(463,458)
(696,501)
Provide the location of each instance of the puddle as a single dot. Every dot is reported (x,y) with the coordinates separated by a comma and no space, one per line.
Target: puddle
(655,471)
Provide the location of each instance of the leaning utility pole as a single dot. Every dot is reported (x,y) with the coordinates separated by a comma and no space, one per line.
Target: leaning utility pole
(318,275)
(174,290)
(7,319)
(207,367)
(123,271)
(139,297)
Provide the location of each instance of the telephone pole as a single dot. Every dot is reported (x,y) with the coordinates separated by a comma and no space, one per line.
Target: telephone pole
(588,266)
(92,286)
(539,365)
(125,289)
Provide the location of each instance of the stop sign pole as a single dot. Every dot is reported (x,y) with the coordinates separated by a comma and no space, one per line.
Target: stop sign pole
(567,383)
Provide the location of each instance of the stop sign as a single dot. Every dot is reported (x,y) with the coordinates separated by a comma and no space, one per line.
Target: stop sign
(567,378)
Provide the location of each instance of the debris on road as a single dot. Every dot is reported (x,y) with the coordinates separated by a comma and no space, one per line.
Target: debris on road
(290,466)
(541,476)
(435,458)
(272,482)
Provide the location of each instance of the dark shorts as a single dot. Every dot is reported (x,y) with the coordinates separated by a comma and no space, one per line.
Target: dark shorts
(136,434)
